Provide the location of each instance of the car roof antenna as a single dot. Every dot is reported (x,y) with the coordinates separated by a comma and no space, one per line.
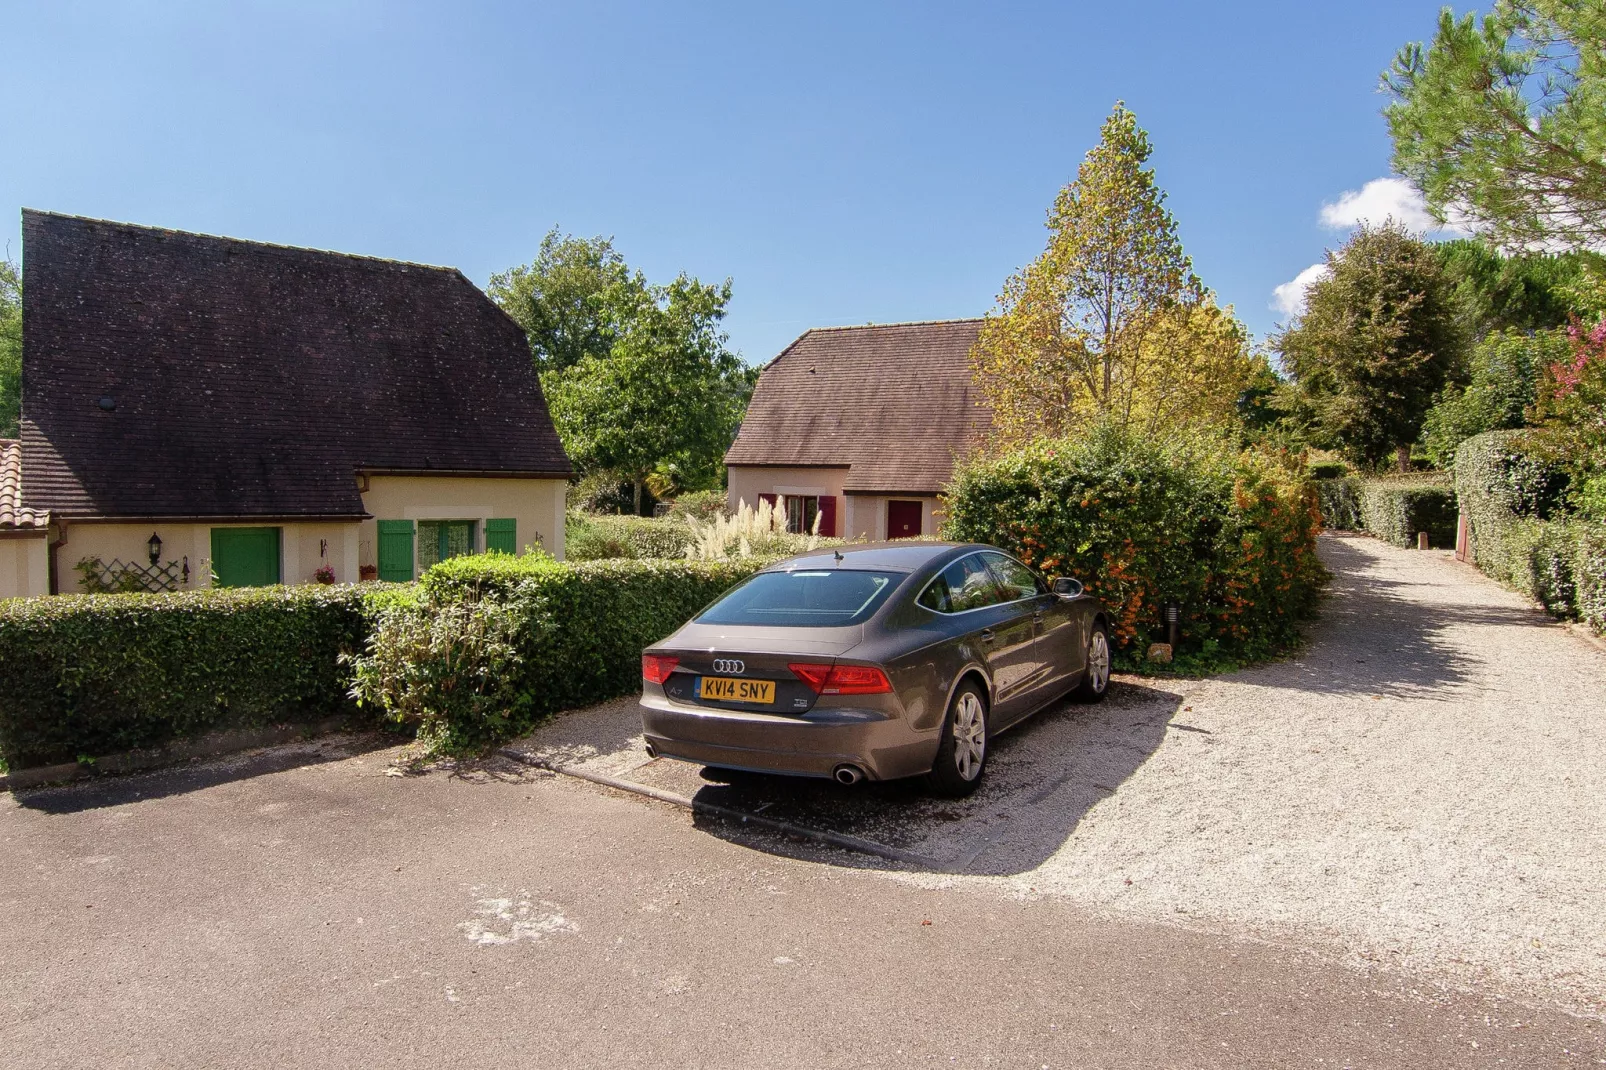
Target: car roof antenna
(838,555)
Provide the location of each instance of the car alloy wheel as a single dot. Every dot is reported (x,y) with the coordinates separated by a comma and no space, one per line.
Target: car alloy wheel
(970,736)
(1098,661)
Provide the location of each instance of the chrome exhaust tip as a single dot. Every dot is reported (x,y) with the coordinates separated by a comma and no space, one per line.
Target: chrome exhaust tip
(652,751)
(848,775)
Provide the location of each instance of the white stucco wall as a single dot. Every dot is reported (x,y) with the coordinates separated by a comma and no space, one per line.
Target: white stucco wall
(536,506)
(24,566)
(303,548)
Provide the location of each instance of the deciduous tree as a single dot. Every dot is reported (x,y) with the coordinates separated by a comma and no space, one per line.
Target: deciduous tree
(1110,324)
(1375,344)
(10,348)
(637,376)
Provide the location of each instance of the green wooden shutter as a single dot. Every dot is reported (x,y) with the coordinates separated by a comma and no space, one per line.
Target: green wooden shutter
(396,550)
(502,535)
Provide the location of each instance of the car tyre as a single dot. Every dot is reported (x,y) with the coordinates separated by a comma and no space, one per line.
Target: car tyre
(1096,677)
(962,752)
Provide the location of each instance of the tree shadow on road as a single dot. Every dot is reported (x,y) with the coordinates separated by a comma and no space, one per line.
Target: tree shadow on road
(1378,636)
(117,790)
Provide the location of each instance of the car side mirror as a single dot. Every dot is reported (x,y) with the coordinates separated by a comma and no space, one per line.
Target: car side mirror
(1068,587)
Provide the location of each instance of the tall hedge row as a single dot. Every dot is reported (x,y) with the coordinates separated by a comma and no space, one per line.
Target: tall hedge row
(1397,510)
(1230,537)
(1521,535)
(95,674)
(497,642)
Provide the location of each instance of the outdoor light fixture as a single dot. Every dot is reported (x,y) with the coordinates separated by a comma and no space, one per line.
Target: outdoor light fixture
(1173,623)
(154,545)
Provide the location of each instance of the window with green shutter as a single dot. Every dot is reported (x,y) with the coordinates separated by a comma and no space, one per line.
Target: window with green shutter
(396,550)
(502,535)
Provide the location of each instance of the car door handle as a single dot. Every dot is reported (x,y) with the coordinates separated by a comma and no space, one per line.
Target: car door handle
(986,635)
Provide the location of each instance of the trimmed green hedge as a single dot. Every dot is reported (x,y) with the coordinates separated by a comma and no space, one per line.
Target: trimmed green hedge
(1230,537)
(498,642)
(97,674)
(1395,510)
(1519,534)
(591,537)
(1339,499)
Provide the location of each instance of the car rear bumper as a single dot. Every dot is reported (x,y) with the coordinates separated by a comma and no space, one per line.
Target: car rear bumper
(813,744)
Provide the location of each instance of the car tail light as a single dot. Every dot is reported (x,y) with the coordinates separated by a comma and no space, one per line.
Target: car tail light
(655,668)
(812,674)
(842,679)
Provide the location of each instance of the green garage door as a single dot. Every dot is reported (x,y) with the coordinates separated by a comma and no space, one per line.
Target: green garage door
(245,557)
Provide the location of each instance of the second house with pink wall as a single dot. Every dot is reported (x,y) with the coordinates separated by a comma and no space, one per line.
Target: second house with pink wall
(860,428)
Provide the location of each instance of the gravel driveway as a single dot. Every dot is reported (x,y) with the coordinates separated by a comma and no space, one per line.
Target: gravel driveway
(1425,786)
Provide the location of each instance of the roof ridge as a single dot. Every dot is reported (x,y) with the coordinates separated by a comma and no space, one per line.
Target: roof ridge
(276,246)
(898,323)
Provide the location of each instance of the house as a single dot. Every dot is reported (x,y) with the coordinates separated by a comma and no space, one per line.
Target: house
(197,407)
(861,427)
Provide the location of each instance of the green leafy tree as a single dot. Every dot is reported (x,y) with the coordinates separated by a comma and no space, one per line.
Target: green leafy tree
(637,376)
(1376,343)
(1504,371)
(665,400)
(575,300)
(1502,121)
(1110,323)
(10,349)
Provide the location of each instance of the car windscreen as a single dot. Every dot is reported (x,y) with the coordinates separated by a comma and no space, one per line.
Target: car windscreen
(822,598)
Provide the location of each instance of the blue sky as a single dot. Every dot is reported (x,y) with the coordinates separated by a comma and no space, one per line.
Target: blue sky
(843,163)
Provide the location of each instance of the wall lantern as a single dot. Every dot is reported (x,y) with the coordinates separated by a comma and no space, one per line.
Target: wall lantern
(154,545)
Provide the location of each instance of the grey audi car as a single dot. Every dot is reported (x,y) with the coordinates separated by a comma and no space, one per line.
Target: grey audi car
(881,661)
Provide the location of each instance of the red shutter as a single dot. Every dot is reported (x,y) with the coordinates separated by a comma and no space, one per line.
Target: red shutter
(773,499)
(828,515)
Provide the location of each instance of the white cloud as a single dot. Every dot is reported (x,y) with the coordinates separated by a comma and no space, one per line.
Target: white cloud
(1381,199)
(1289,298)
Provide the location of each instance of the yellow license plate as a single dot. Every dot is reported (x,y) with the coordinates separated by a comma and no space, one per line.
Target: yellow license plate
(726,689)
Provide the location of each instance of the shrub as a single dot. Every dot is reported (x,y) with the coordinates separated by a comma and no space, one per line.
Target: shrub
(496,643)
(595,538)
(1339,501)
(1230,537)
(96,674)
(1395,510)
(1504,372)
(1328,469)
(1519,535)
(702,505)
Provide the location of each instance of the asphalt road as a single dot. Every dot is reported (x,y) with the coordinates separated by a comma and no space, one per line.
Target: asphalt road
(267,913)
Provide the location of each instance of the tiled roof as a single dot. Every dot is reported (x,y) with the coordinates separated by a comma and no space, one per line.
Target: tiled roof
(175,374)
(12,514)
(894,402)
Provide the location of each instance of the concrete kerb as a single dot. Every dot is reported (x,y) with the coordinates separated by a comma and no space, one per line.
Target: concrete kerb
(833,839)
(212,745)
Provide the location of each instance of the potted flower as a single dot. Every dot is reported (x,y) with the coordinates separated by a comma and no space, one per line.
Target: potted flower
(325,574)
(368,572)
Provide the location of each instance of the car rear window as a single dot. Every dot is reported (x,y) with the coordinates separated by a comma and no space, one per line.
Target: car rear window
(815,599)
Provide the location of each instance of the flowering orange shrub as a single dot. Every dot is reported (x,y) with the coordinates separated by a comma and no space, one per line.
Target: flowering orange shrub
(1229,537)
